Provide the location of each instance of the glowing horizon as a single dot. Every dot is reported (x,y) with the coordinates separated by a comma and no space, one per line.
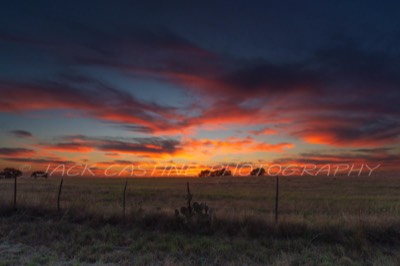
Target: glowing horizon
(78,89)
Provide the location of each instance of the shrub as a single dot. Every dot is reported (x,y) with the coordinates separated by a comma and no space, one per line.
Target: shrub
(197,217)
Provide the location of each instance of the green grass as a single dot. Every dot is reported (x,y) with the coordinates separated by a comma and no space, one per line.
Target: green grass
(323,221)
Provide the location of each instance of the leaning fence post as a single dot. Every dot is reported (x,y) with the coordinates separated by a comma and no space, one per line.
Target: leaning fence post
(59,194)
(124,198)
(276,199)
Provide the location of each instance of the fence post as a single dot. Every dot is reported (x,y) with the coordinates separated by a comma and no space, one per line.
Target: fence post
(189,198)
(59,194)
(124,198)
(15,192)
(277,199)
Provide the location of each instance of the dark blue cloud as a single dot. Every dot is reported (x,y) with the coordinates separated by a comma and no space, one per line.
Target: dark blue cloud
(21,133)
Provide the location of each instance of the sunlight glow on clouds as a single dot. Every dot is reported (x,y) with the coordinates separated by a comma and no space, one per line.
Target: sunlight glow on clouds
(152,91)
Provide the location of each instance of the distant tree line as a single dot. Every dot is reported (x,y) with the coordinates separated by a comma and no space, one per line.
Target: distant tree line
(227,172)
(9,173)
(221,172)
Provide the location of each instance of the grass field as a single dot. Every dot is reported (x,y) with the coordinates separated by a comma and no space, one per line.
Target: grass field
(322,221)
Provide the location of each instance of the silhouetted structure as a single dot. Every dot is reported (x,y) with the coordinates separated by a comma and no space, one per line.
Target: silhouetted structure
(221,172)
(37,174)
(257,172)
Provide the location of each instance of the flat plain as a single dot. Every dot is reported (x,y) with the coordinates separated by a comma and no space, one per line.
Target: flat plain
(322,221)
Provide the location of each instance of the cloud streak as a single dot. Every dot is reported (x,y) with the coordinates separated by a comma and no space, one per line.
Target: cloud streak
(15,152)
(21,133)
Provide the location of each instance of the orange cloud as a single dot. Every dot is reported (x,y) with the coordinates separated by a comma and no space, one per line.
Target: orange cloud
(204,148)
(68,147)
(264,131)
(348,131)
(16,152)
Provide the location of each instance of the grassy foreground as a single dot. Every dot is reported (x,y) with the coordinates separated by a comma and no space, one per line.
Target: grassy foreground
(323,221)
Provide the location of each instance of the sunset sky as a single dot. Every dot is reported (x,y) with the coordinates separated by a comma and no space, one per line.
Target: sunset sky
(199,83)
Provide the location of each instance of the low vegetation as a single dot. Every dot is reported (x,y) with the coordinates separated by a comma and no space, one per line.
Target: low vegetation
(323,221)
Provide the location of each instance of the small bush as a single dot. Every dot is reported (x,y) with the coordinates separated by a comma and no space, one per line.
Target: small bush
(196,217)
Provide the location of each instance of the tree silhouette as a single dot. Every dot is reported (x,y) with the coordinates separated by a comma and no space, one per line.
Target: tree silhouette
(10,173)
(258,172)
(221,172)
(204,173)
(37,174)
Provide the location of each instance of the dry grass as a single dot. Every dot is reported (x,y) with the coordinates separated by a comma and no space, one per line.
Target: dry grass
(323,221)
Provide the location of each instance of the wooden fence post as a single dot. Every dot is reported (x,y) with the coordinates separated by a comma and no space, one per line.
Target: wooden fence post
(189,199)
(124,198)
(59,194)
(277,199)
(15,192)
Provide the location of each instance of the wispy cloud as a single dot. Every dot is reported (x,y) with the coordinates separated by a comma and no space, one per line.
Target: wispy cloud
(16,152)
(21,133)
